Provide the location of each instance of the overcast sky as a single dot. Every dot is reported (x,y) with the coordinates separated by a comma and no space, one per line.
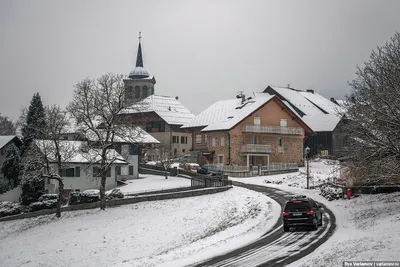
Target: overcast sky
(201,51)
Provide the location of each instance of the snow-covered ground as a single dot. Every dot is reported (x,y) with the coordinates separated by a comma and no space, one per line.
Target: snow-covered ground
(368,227)
(174,232)
(149,182)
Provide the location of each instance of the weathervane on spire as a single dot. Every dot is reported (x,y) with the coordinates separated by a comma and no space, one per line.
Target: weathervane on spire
(140,36)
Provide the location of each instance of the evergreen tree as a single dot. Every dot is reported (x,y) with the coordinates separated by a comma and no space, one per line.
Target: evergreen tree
(11,166)
(34,124)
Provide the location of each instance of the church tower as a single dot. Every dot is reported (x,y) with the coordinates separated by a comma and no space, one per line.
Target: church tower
(139,83)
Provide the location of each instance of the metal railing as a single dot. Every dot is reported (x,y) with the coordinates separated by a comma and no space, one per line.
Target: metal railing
(272,129)
(251,148)
(197,180)
(279,167)
(235,168)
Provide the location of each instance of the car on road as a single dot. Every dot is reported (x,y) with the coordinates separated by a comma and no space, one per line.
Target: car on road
(301,211)
(210,170)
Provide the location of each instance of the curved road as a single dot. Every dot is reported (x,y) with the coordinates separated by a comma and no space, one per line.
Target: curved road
(276,247)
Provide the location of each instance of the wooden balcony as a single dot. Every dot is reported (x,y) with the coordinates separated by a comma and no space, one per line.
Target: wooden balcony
(257,149)
(272,129)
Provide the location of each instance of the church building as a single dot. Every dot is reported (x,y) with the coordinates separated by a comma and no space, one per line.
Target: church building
(159,115)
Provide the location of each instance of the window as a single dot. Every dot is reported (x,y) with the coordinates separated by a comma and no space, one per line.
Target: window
(96,172)
(77,171)
(184,139)
(280,145)
(213,141)
(175,152)
(257,121)
(175,139)
(222,140)
(130,170)
(283,122)
(137,91)
(133,150)
(254,140)
(198,139)
(68,172)
(220,159)
(183,150)
(145,91)
(118,170)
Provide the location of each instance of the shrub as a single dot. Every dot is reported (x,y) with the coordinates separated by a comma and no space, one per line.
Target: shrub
(89,196)
(41,205)
(115,193)
(32,189)
(48,197)
(8,208)
(74,197)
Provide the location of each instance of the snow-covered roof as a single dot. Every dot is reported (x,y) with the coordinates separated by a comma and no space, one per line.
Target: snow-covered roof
(77,152)
(218,111)
(322,122)
(298,100)
(5,139)
(126,134)
(234,115)
(322,102)
(167,107)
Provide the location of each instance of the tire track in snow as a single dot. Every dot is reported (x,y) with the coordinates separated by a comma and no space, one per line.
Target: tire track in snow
(276,248)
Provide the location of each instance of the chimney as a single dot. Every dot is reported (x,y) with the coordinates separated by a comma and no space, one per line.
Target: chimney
(310,91)
(333,100)
(288,85)
(243,98)
(176,97)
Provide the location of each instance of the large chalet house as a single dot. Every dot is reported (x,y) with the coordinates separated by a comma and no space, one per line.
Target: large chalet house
(161,116)
(260,129)
(324,116)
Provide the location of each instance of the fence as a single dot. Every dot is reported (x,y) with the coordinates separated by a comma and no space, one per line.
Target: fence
(250,171)
(197,180)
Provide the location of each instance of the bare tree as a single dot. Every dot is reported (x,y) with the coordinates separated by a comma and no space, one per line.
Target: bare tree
(373,107)
(165,154)
(7,127)
(96,106)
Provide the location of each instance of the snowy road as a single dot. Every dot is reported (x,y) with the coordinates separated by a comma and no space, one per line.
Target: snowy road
(276,248)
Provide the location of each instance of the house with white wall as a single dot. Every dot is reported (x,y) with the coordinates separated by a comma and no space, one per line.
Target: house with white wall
(80,165)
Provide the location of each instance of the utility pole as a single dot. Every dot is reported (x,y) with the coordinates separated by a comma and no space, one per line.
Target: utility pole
(307,153)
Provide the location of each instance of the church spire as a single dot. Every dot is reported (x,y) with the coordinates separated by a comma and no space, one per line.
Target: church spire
(139,58)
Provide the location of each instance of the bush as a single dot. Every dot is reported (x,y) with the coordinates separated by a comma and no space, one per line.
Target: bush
(90,196)
(41,205)
(74,197)
(115,193)
(8,208)
(32,190)
(48,197)
(330,192)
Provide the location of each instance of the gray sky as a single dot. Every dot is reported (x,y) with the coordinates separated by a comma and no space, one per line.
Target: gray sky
(201,51)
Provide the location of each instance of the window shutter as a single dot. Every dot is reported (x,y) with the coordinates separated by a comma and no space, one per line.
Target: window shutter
(77,171)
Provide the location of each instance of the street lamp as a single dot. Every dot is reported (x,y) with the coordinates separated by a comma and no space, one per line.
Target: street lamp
(307,155)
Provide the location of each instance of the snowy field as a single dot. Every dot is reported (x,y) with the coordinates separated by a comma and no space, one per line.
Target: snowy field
(174,232)
(149,182)
(368,227)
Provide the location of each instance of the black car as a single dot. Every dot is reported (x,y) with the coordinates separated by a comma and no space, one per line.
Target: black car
(209,170)
(301,211)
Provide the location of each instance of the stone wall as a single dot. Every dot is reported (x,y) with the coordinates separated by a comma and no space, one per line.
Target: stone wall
(124,201)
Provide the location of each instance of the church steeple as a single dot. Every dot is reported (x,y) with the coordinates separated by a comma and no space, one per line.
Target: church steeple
(139,57)
(139,83)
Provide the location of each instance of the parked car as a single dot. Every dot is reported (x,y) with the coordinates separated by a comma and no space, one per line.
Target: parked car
(301,211)
(209,170)
(192,167)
